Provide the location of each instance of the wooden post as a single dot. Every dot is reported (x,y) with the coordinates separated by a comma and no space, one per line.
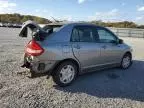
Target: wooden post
(129,33)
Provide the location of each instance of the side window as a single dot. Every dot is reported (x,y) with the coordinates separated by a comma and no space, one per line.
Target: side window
(106,36)
(75,35)
(82,34)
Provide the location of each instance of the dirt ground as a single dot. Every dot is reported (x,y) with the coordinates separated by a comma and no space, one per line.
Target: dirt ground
(113,88)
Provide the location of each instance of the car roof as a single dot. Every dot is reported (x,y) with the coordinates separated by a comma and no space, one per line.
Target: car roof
(64,33)
(71,24)
(82,24)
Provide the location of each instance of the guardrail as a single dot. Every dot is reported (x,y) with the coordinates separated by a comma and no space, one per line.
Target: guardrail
(128,32)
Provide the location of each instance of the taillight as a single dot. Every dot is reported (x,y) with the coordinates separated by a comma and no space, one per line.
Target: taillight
(33,48)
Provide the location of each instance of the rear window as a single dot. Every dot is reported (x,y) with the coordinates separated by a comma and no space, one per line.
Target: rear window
(51,28)
(45,32)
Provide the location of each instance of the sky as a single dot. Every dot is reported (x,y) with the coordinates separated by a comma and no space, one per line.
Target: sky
(78,10)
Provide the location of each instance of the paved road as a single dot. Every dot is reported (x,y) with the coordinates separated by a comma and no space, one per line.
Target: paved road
(113,88)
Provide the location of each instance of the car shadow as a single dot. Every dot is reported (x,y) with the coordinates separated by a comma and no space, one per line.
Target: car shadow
(112,83)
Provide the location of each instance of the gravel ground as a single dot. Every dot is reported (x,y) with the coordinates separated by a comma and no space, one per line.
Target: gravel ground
(113,88)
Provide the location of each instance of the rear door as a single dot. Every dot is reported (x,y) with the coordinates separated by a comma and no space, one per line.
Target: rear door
(85,48)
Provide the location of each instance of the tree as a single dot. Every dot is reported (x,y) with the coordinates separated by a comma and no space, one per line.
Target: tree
(124,24)
(17,18)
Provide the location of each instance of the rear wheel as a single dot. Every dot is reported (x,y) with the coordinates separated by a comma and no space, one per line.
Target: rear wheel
(65,73)
(126,61)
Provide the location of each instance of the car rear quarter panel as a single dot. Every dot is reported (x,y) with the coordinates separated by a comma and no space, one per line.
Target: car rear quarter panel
(56,51)
(52,54)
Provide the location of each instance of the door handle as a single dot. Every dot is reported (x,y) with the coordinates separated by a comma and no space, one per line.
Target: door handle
(77,46)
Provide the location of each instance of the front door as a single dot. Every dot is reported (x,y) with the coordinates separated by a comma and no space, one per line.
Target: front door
(110,49)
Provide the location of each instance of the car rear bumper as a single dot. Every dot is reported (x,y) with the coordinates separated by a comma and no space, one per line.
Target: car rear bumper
(38,66)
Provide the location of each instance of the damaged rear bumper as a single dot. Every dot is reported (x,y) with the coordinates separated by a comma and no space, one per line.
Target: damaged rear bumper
(38,66)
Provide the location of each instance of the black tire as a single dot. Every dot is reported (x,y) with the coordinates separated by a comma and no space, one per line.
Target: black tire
(122,62)
(57,74)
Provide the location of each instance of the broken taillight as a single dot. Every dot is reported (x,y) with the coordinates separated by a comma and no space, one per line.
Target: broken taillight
(33,48)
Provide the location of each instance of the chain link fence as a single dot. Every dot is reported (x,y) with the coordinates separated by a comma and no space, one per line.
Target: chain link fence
(128,32)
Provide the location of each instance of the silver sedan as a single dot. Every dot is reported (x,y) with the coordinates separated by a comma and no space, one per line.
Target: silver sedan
(66,50)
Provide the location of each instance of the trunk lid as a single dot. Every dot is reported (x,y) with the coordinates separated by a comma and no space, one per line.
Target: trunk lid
(34,30)
(32,26)
(37,33)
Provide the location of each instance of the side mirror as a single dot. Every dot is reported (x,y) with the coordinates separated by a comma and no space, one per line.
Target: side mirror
(121,41)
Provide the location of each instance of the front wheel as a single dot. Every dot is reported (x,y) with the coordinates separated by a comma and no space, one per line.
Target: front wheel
(65,73)
(126,61)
